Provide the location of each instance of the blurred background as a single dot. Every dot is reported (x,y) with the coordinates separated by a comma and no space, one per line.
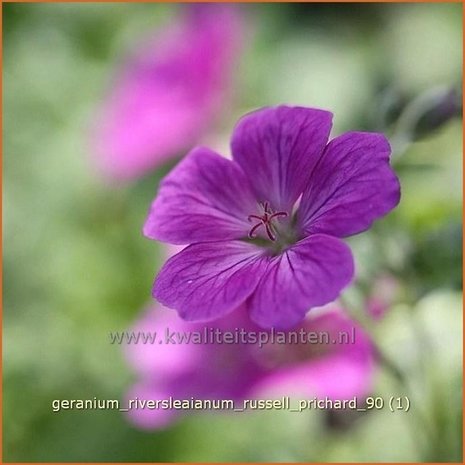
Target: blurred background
(77,267)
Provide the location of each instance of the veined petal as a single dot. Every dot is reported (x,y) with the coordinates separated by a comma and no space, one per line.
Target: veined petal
(206,281)
(309,274)
(277,148)
(351,186)
(205,198)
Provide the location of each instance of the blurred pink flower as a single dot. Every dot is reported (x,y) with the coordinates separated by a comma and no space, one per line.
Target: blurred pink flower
(169,94)
(384,293)
(237,371)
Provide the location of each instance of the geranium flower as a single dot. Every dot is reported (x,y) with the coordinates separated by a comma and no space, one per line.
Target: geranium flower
(169,93)
(265,228)
(239,371)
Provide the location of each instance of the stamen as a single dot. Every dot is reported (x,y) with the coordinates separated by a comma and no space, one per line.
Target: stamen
(270,232)
(266,220)
(252,231)
(274,215)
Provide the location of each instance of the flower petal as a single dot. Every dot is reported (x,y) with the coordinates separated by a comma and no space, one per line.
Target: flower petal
(337,370)
(351,186)
(205,198)
(150,357)
(337,377)
(170,91)
(309,274)
(206,281)
(277,148)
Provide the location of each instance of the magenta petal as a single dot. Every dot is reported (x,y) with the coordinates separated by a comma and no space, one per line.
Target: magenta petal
(336,376)
(206,281)
(351,186)
(309,274)
(149,360)
(205,198)
(336,370)
(170,92)
(350,364)
(277,148)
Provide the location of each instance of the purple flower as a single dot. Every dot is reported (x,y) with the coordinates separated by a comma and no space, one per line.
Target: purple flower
(264,229)
(169,93)
(242,370)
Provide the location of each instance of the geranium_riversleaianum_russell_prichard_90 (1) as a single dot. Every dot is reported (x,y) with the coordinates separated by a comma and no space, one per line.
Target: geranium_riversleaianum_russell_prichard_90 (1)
(265,228)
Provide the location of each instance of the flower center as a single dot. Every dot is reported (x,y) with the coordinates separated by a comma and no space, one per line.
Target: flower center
(265,220)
